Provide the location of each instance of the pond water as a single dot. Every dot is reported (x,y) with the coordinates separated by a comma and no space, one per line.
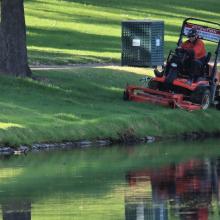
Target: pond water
(157,181)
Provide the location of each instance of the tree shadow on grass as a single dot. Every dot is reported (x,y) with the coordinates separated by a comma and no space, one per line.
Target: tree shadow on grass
(66,39)
(164,5)
(37,57)
(87,47)
(75,18)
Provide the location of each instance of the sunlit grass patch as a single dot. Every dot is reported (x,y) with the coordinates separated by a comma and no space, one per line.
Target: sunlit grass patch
(5,126)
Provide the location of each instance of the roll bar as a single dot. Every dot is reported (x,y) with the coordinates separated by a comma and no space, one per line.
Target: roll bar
(206,32)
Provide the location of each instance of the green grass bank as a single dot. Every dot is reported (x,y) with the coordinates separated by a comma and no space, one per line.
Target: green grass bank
(86,103)
(89,31)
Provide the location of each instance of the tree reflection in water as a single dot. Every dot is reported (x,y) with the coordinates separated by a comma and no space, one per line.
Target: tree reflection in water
(183,191)
(90,184)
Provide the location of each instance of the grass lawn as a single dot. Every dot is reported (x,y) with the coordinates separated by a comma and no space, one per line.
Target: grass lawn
(82,31)
(86,103)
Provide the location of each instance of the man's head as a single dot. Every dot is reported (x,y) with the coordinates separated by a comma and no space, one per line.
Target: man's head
(192,35)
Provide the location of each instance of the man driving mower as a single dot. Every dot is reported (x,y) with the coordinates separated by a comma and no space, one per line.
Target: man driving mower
(197,54)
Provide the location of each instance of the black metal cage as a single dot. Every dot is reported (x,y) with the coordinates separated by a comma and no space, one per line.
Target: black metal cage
(142,43)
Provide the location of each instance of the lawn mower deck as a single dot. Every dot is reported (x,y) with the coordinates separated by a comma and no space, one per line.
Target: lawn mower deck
(142,94)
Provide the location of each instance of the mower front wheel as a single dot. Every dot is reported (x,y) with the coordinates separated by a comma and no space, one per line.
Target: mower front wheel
(206,99)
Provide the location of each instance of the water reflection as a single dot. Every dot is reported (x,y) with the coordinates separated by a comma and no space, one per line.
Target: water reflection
(187,190)
(163,181)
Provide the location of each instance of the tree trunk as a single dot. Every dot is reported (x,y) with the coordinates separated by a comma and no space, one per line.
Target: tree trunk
(13,50)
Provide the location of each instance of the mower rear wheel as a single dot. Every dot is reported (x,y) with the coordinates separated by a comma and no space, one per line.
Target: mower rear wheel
(202,96)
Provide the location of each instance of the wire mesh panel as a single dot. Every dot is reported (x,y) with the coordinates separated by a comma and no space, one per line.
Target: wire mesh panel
(142,43)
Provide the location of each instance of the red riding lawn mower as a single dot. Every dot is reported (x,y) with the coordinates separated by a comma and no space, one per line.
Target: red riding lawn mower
(171,87)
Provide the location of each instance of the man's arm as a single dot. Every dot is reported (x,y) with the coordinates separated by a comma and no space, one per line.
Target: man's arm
(199,49)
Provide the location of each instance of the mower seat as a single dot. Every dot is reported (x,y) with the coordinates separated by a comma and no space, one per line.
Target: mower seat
(206,67)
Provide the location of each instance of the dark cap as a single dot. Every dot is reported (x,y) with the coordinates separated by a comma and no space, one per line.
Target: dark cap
(192,33)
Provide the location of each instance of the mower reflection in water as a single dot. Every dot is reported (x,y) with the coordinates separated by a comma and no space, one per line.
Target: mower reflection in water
(171,86)
(183,191)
